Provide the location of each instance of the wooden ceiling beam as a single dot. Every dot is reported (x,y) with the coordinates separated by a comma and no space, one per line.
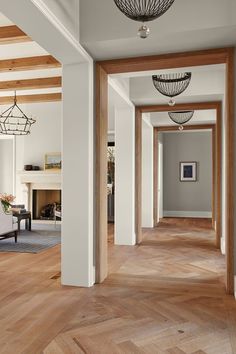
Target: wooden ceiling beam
(47,97)
(30,63)
(30,84)
(12,34)
(186,127)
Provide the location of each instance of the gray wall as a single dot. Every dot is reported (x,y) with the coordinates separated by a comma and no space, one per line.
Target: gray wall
(6,166)
(187,196)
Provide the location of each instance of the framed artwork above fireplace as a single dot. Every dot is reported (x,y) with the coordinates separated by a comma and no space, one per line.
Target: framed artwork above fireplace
(52,161)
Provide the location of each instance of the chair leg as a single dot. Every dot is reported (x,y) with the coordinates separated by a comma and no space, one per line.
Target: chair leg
(15,236)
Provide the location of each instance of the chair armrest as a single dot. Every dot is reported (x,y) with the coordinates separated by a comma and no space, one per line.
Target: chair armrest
(6,223)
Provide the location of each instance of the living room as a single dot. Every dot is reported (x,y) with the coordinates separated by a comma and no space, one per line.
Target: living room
(30,160)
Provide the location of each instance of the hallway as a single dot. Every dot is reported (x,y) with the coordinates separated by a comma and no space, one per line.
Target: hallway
(165,296)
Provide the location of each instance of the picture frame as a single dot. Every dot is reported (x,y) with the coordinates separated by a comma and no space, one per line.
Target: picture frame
(52,161)
(188,171)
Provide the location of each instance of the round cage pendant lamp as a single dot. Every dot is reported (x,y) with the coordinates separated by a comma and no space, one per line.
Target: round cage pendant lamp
(181,117)
(143,11)
(172,85)
(14,121)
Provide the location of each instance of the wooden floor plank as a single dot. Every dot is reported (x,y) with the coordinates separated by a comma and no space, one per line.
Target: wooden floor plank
(165,296)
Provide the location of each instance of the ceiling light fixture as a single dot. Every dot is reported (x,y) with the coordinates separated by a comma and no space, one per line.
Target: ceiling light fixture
(14,121)
(171,85)
(181,117)
(143,11)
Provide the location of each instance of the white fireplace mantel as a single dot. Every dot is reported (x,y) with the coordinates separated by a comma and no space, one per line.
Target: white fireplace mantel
(40,177)
(38,180)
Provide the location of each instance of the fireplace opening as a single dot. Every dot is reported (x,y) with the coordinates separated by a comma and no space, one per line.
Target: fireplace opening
(44,204)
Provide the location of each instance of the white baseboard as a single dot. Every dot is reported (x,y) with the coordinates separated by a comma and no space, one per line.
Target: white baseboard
(222,245)
(187,214)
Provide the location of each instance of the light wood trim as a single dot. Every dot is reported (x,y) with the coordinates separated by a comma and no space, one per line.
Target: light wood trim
(186,127)
(180,60)
(230,172)
(179,107)
(214,172)
(155,176)
(138,175)
(101,173)
(29,84)
(47,97)
(166,61)
(31,63)
(12,34)
(219,175)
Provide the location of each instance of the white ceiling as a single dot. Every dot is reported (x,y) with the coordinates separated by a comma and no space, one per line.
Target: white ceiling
(106,33)
(188,25)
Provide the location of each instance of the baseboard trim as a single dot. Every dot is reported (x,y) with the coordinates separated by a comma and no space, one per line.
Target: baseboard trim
(187,214)
(222,245)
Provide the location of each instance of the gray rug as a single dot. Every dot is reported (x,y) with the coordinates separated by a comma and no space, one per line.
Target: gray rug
(39,239)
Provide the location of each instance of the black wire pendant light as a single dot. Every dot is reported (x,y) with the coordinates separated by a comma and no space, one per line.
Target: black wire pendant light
(14,121)
(181,117)
(172,85)
(143,11)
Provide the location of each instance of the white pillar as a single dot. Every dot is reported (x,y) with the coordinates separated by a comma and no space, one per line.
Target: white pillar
(147,172)
(125,176)
(160,176)
(77,185)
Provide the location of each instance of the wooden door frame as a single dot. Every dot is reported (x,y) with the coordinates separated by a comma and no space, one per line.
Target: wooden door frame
(148,63)
(215,181)
(216,160)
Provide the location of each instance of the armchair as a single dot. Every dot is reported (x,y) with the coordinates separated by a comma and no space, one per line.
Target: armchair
(8,225)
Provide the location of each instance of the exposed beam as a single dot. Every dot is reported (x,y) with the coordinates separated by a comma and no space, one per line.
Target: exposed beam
(12,34)
(180,106)
(186,127)
(47,97)
(31,63)
(28,84)
(166,61)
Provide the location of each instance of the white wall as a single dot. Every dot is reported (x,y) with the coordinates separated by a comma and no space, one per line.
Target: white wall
(160,176)
(6,165)
(192,199)
(147,172)
(45,137)
(223,179)
(125,175)
(45,133)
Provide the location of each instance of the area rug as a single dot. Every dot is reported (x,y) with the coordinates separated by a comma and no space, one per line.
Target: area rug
(35,241)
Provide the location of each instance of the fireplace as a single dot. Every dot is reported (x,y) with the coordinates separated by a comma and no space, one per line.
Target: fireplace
(43,203)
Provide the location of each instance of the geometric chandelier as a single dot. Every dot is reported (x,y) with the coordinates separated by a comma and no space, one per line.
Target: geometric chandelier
(143,11)
(181,117)
(14,121)
(172,85)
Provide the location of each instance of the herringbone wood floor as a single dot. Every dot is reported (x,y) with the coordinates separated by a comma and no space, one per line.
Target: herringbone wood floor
(165,296)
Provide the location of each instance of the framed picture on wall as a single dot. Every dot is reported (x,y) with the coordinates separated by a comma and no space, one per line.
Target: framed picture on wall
(188,171)
(52,161)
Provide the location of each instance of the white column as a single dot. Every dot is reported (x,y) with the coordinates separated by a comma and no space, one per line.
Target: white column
(124,176)
(160,176)
(147,172)
(77,184)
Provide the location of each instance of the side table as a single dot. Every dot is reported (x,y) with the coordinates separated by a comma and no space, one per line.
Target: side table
(24,216)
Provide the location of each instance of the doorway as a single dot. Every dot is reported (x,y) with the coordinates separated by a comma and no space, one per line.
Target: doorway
(178,60)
